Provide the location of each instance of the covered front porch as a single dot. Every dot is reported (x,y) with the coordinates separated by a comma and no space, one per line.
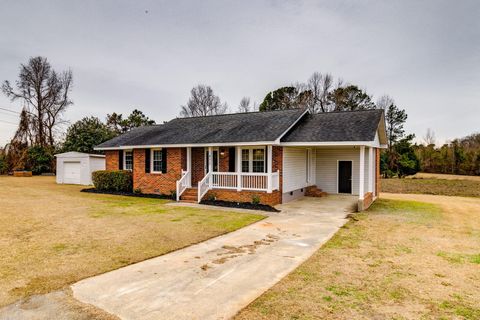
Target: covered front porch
(234,168)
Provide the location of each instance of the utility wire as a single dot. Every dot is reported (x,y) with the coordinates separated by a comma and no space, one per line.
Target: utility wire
(8,122)
(9,110)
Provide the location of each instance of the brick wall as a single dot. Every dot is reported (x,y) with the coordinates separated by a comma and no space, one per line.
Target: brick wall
(166,183)
(272,199)
(111,160)
(366,202)
(159,183)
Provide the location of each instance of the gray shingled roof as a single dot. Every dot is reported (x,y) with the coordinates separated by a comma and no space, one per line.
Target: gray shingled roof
(336,126)
(238,127)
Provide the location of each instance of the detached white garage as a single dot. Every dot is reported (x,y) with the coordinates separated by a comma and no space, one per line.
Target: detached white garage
(77,167)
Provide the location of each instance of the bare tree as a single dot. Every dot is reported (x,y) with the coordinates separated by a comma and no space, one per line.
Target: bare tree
(320,85)
(384,102)
(429,137)
(244,105)
(203,102)
(44,94)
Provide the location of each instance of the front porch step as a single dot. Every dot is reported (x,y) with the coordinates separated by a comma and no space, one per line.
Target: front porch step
(189,195)
(313,191)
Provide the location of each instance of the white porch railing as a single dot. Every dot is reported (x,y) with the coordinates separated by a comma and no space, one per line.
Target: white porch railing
(204,186)
(243,181)
(183,183)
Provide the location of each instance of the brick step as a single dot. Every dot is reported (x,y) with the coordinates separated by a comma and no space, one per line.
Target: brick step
(315,192)
(188,197)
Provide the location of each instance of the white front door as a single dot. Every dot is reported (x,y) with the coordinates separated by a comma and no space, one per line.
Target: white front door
(71,172)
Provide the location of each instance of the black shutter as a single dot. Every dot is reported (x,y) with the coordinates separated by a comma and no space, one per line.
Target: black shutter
(164,160)
(120,159)
(231,159)
(147,160)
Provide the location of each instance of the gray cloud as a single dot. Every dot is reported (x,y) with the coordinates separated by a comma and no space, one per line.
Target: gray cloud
(423,53)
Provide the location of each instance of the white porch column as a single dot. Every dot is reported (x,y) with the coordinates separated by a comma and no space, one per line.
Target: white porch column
(371,161)
(269,169)
(361,180)
(238,154)
(189,166)
(210,165)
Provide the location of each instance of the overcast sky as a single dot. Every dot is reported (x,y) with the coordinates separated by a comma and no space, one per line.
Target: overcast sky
(149,54)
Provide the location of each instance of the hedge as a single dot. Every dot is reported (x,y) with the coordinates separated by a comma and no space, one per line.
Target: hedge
(118,180)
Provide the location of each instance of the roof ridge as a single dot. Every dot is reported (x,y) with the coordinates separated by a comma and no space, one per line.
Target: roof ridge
(349,111)
(239,113)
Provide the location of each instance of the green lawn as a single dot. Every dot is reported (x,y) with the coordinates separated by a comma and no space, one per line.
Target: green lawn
(53,235)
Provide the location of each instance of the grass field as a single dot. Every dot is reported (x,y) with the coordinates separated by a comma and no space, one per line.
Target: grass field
(408,257)
(52,235)
(447,185)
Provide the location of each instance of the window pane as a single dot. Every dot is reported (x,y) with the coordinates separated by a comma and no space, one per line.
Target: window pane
(258,166)
(128,160)
(245,166)
(157,160)
(258,154)
(245,153)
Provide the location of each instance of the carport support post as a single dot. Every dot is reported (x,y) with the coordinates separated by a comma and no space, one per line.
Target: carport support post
(269,169)
(361,191)
(189,166)
(371,161)
(238,154)
(210,166)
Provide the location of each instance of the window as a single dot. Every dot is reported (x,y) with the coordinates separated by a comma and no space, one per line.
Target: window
(253,160)
(245,160)
(157,160)
(258,160)
(128,160)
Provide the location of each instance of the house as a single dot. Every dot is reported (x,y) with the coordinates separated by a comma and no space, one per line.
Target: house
(77,167)
(276,156)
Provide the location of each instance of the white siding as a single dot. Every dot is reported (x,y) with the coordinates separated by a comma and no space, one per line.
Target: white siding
(294,169)
(327,167)
(366,171)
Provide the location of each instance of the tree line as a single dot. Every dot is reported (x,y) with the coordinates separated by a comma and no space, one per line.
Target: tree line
(45,96)
(459,156)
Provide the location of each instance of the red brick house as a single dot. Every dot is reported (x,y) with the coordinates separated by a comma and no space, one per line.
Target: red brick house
(276,156)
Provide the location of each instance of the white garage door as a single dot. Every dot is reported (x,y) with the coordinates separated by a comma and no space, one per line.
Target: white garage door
(71,172)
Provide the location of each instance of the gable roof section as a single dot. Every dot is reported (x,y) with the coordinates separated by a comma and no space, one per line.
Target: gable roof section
(338,127)
(228,128)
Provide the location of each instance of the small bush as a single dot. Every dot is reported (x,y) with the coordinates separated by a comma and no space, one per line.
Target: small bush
(255,199)
(211,196)
(119,180)
(137,191)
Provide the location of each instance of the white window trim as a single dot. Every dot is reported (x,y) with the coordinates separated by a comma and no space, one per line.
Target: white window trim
(338,172)
(125,159)
(151,161)
(250,158)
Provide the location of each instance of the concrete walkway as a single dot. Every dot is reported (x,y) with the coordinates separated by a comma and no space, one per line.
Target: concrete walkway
(217,278)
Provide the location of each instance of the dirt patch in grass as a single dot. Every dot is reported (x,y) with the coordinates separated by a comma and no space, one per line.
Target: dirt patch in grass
(408,257)
(446,187)
(54,235)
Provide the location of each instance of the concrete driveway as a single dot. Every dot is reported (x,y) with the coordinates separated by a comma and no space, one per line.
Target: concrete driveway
(217,278)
